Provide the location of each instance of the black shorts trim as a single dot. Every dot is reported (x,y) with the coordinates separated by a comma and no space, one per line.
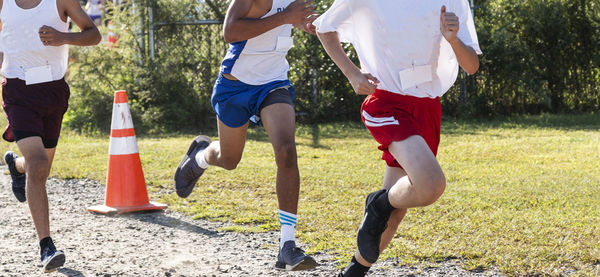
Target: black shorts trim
(48,143)
(278,95)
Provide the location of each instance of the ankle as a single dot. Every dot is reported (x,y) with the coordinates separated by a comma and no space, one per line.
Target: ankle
(355,269)
(45,242)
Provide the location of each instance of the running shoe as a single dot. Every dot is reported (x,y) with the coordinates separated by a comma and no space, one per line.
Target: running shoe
(373,225)
(188,172)
(292,258)
(52,259)
(18,179)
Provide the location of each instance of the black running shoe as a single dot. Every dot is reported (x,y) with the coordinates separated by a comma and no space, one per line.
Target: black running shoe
(293,258)
(372,226)
(18,179)
(52,259)
(188,172)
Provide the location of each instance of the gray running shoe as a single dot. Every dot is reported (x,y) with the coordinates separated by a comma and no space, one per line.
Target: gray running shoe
(18,179)
(188,172)
(293,258)
(373,225)
(52,259)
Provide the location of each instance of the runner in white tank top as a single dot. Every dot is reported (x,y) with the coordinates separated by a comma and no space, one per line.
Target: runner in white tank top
(253,85)
(34,40)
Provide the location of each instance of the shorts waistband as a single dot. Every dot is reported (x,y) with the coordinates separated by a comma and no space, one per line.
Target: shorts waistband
(392,96)
(22,82)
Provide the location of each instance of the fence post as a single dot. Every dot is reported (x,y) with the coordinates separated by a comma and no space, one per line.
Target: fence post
(151,28)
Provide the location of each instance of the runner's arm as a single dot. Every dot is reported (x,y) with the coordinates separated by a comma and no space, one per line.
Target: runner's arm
(88,36)
(466,56)
(363,83)
(239,28)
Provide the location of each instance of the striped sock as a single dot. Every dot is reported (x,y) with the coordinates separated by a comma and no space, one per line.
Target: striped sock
(288,227)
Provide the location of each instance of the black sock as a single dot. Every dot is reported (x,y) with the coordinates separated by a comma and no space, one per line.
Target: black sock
(382,203)
(355,269)
(45,242)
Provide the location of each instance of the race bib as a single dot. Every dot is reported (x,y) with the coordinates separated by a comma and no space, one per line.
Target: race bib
(415,76)
(284,43)
(37,75)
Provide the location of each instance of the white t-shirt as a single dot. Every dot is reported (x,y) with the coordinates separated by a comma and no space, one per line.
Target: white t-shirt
(394,36)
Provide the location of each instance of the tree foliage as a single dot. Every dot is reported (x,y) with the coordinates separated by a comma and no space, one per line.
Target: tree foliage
(539,56)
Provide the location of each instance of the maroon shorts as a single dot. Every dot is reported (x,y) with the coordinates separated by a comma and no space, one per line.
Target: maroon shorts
(394,117)
(34,110)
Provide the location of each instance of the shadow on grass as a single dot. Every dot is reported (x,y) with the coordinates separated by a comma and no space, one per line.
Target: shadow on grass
(160,218)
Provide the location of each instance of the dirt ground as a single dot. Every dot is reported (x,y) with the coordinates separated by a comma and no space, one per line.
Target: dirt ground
(151,244)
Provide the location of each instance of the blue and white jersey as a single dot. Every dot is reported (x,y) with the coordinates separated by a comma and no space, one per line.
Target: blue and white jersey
(261,59)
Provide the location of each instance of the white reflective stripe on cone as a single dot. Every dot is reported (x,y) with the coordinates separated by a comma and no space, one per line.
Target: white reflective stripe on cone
(121,117)
(123,146)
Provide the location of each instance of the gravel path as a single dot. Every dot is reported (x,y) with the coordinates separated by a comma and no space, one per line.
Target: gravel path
(150,244)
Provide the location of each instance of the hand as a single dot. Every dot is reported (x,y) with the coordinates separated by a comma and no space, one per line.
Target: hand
(299,12)
(51,37)
(364,83)
(309,27)
(449,25)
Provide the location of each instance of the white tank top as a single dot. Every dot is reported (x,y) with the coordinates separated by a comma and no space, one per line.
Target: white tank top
(21,42)
(93,7)
(261,59)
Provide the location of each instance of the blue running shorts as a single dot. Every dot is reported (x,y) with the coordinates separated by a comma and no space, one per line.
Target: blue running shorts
(236,102)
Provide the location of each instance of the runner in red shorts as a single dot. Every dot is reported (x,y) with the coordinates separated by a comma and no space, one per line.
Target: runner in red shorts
(409,52)
(34,40)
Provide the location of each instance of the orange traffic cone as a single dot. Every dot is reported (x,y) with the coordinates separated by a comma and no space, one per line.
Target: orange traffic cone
(111,36)
(125,184)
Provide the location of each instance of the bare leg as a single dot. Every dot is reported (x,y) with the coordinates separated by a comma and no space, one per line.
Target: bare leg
(425,182)
(36,162)
(392,175)
(279,121)
(227,152)
(422,185)
(20,163)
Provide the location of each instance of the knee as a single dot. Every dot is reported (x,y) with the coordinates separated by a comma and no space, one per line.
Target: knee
(38,167)
(434,190)
(285,155)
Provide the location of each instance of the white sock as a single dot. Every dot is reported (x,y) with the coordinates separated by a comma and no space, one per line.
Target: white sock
(288,227)
(201,160)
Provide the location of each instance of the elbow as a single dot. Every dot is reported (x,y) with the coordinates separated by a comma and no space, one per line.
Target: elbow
(228,37)
(473,68)
(229,34)
(97,38)
(93,36)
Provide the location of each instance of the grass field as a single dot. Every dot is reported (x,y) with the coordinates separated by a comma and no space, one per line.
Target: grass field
(523,193)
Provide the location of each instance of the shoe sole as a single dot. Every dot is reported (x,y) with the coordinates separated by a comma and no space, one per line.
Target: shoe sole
(307,264)
(54,263)
(186,156)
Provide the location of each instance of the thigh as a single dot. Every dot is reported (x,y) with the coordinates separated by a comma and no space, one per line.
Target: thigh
(32,148)
(417,159)
(279,121)
(232,140)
